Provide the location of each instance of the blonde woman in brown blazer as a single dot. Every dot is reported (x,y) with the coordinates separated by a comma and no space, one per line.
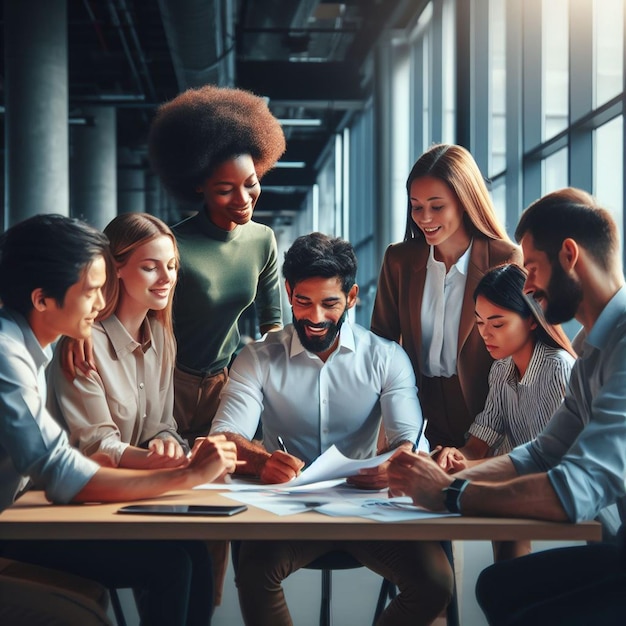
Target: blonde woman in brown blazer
(452,231)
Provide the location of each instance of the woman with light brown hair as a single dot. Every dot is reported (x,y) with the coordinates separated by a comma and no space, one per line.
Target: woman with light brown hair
(426,285)
(122,412)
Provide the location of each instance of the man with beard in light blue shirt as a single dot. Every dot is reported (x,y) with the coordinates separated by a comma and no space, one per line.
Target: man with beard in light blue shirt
(319,382)
(577,465)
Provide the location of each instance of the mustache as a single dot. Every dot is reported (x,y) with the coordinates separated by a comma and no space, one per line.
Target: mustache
(319,325)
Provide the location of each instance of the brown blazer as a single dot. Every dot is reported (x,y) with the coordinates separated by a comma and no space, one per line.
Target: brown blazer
(397,308)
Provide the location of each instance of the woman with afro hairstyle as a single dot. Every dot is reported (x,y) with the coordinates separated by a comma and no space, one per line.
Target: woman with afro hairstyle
(210,146)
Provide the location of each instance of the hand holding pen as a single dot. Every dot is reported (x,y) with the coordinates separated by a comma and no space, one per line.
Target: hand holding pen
(281,466)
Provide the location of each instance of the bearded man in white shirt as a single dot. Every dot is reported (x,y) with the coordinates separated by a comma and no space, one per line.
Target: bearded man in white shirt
(322,381)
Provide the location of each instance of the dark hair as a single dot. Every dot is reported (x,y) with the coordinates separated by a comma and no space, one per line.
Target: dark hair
(504,287)
(570,213)
(49,252)
(318,255)
(456,167)
(201,128)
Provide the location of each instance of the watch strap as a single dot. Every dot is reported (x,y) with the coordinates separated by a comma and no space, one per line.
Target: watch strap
(452,494)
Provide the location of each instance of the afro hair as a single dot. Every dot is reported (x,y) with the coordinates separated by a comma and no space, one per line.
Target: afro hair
(201,128)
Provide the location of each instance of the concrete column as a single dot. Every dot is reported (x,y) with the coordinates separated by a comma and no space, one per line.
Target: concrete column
(36,94)
(153,196)
(93,174)
(131,192)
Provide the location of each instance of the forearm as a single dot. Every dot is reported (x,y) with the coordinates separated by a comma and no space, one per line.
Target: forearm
(496,469)
(254,454)
(116,484)
(529,496)
(475,448)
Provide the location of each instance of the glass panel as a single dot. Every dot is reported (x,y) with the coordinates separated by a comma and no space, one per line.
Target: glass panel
(449,71)
(608,44)
(554,171)
(497,86)
(498,195)
(608,168)
(426,128)
(555,66)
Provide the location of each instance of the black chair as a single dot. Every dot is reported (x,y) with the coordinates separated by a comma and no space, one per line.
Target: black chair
(338,560)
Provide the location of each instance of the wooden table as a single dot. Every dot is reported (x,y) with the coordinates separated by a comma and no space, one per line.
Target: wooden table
(32,517)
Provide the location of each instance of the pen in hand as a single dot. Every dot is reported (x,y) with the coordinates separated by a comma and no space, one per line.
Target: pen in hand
(435,451)
(281,444)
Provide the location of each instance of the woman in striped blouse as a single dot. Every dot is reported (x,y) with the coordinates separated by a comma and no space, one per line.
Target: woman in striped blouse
(527,381)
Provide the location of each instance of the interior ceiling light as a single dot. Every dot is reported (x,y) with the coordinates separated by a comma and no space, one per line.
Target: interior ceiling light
(295,165)
(300,122)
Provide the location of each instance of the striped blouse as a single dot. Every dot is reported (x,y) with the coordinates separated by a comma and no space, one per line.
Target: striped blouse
(516,411)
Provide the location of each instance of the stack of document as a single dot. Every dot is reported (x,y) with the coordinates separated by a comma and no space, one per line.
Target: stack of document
(322,488)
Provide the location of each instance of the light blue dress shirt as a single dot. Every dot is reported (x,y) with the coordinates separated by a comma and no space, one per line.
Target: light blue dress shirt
(32,445)
(583,447)
(313,405)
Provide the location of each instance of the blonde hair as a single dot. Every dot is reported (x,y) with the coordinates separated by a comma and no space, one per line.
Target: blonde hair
(126,233)
(456,167)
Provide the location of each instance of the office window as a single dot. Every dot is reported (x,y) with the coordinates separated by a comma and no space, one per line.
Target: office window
(497,86)
(554,171)
(449,71)
(608,43)
(426,95)
(498,196)
(608,168)
(555,66)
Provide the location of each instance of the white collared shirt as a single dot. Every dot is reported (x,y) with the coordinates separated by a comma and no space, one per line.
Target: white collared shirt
(313,404)
(441,314)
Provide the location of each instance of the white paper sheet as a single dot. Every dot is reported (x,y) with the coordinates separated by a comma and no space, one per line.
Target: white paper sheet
(332,465)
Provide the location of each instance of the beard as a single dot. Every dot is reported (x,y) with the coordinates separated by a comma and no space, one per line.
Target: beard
(318,344)
(562,297)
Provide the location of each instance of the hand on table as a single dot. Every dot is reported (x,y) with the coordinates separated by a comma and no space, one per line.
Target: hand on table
(371,477)
(164,453)
(419,477)
(213,457)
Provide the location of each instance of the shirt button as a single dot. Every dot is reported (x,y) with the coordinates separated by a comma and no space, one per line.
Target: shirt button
(141,385)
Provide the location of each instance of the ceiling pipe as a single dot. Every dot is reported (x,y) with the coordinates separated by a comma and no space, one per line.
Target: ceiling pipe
(129,23)
(200,39)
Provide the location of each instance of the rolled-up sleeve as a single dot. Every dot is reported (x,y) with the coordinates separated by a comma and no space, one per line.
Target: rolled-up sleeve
(37,446)
(583,446)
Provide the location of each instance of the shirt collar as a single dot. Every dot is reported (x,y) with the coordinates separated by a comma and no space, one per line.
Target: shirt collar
(612,313)
(461,265)
(346,340)
(41,356)
(121,340)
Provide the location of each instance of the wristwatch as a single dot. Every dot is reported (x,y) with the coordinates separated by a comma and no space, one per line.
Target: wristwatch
(452,494)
